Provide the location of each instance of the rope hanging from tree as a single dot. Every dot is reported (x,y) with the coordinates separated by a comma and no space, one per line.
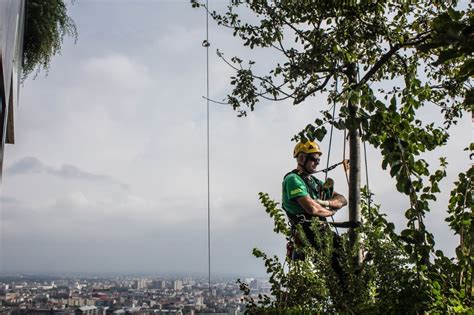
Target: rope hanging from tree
(206,44)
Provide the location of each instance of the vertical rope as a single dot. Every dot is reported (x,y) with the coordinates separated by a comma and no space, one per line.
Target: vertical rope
(330,140)
(344,154)
(365,158)
(330,144)
(208,164)
(367,180)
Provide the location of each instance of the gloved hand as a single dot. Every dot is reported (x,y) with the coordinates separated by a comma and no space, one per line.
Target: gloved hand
(323,203)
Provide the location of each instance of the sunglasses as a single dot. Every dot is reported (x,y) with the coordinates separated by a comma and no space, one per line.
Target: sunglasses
(313,159)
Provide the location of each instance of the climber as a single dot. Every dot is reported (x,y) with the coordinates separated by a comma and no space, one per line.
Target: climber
(306,197)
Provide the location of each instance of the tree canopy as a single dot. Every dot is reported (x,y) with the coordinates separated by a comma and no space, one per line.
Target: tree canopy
(47,22)
(392,58)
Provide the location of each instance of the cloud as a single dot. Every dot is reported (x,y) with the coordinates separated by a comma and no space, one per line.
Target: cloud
(26,165)
(29,165)
(115,69)
(8,200)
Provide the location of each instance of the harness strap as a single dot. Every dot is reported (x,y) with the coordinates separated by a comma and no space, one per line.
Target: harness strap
(303,218)
(330,168)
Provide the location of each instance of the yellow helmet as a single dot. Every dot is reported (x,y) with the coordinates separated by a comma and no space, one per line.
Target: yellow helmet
(307,147)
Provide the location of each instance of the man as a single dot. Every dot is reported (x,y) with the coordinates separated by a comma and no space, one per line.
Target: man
(305,197)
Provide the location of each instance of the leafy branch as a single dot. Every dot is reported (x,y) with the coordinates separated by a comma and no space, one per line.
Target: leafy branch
(46,25)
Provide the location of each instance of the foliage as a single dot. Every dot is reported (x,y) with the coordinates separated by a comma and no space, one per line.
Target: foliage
(46,25)
(387,280)
(453,44)
(384,61)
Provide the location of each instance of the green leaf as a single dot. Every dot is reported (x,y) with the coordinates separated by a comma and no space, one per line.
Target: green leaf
(395,169)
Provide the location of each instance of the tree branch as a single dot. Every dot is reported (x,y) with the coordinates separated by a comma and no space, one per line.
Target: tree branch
(278,88)
(301,98)
(378,65)
(284,21)
(419,39)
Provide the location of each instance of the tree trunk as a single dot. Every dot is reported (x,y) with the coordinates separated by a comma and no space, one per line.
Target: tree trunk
(354,169)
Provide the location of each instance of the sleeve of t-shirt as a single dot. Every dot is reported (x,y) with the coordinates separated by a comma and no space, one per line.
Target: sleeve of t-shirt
(295,187)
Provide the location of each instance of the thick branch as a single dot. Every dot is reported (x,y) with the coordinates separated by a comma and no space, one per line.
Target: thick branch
(301,98)
(419,39)
(378,65)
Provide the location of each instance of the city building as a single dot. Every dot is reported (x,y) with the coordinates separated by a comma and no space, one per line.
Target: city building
(159,284)
(88,310)
(177,285)
(140,284)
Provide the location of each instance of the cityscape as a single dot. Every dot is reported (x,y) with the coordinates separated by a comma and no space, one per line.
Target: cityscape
(121,295)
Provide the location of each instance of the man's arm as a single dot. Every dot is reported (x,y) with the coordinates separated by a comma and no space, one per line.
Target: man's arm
(337,201)
(313,208)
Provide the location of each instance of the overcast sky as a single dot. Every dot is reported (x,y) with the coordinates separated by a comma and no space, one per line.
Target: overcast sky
(108,173)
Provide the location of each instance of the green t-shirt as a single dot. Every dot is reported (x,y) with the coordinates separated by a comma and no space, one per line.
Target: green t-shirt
(294,187)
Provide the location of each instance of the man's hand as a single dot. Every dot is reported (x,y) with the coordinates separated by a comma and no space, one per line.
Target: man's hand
(312,207)
(323,203)
(337,201)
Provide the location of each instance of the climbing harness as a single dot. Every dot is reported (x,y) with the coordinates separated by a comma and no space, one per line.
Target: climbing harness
(316,188)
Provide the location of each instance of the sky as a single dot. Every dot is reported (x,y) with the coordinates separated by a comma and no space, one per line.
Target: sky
(109,170)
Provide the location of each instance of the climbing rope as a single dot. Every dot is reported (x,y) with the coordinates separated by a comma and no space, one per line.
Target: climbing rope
(367,179)
(328,168)
(346,165)
(330,141)
(365,160)
(206,45)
